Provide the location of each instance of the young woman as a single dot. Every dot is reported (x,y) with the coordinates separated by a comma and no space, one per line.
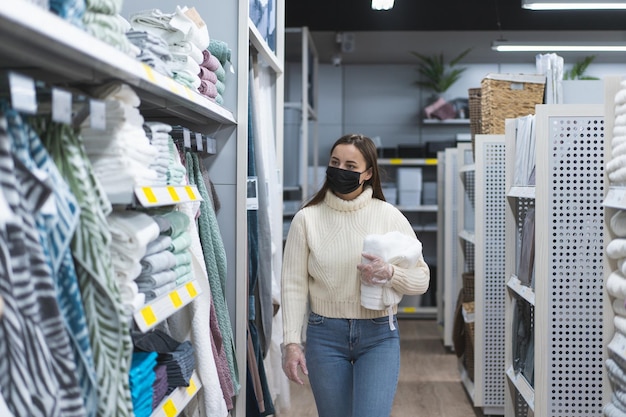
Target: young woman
(352,353)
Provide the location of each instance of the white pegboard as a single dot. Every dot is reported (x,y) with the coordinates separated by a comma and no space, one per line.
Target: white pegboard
(569,261)
(490,293)
(452,278)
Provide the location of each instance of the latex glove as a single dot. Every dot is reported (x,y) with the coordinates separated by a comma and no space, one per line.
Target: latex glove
(293,358)
(376,272)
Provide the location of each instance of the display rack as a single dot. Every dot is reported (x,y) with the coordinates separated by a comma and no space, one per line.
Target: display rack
(489,274)
(440,296)
(465,235)
(448,234)
(423,218)
(177,400)
(566,304)
(40,45)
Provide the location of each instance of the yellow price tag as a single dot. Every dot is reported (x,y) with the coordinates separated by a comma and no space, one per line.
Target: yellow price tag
(169,408)
(148,315)
(176,301)
(147,191)
(173,193)
(189,93)
(149,72)
(409,309)
(431,161)
(395,161)
(190,193)
(191,389)
(191,289)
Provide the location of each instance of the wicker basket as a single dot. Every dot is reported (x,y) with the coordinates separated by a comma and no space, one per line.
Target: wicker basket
(468,355)
(474,95)
(468,286)
(506,96)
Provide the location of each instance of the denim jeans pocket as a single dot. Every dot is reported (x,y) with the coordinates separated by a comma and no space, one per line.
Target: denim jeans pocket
(383,320)
(315,319)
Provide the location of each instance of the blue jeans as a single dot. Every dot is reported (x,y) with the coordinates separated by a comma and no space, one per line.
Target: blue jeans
(353,365)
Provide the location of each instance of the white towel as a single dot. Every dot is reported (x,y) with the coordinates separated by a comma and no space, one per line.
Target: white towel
(158,262)
(620,96)
(132,230)
(397,249)
(616,284)
(616,248)
(619,307)
(618,223)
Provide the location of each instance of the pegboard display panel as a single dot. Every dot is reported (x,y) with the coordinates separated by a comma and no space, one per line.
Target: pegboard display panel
(575,270)
(452,276)
(469,178)
(522,206)
(492,255)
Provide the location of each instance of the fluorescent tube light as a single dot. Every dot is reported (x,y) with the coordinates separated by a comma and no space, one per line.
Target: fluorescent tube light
(505,46)
(382,4)
(573,5)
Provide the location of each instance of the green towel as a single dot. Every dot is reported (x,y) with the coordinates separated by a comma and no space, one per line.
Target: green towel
(221,51)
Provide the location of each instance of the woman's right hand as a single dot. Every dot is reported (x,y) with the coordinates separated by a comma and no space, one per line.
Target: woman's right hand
(293,358)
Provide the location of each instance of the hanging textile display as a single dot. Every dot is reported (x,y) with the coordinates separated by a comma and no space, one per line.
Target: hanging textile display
(108,328)
(215,260)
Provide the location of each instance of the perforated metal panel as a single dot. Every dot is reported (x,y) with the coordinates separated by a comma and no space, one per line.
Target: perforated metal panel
(452,278)
(574,313)
(490,270)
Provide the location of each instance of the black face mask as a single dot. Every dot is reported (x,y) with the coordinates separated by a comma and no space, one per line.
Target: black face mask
(343,181)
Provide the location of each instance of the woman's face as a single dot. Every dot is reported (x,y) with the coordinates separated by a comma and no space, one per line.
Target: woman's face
(348,157)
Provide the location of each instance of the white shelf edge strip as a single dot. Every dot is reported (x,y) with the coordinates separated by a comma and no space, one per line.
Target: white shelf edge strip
(523,387)
(163,307)
(523,291)
(522,191)
(168,195)
(175,403)
(408,161)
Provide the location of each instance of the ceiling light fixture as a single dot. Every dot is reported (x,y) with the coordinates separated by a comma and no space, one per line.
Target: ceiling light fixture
(382,4)
(573,5)
(506,46)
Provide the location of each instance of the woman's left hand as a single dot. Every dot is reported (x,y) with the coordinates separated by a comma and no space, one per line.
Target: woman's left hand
(376,272)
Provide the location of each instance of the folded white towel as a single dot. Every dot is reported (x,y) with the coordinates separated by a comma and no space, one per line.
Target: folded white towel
(620,324)
(620,120)
(620,96)
(619,130)
(397,249)
(618,223)
(619,307)
(620,109)
(618,176)
(616,248)
(618,140)
(132,231)
(616,284)
(158,262)
(618,150)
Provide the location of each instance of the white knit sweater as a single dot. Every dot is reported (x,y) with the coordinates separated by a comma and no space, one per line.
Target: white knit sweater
(323,248)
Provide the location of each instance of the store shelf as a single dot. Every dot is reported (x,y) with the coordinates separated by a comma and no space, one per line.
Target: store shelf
(408,161)
(425,228)
(163,307)
(616,198)
(522,192)
(446,122)
(417,312)
(523,387)
(522,291)
(467,236)
(429,208)
(175,403)
(48,48)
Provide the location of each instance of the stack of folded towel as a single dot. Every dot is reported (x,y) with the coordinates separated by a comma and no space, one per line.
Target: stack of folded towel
(177,357)
(167,263)
(102,20)
(121,154)
(141,379)
(159,133)
(70,10)
(220,50)
(160,386)
(153,51)
(186,35)
(616,167)
(209,68)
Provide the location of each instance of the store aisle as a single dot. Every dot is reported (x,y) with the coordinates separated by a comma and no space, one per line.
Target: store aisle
(429,380)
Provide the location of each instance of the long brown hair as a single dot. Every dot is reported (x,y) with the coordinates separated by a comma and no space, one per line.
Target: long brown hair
(367,148)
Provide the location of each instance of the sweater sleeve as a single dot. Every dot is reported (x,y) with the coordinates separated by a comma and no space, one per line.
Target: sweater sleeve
(295,281)
(414,280)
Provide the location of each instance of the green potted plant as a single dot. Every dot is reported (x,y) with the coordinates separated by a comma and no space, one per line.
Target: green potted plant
(577,87)
(436,75)
(577,72)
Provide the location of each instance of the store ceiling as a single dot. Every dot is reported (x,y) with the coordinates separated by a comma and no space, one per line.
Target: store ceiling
(446,25)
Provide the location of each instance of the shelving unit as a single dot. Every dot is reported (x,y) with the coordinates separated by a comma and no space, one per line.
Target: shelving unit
(423,218)
(489,274)
(46,48)
(447,234)
(566,305)
(177,400)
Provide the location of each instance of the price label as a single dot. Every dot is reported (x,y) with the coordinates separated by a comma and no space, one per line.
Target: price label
(190,193)
(147,191)
(97,114)
(199,145)
(149,72)
(192,388)
(173,194)
(169,408)
(23,94)
(395,161)
(186,138)
(176,301)
(191,289)
(148,315)
(61,106)
(431,161)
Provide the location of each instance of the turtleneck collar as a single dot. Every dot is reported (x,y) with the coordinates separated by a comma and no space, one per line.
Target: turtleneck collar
(357,203)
